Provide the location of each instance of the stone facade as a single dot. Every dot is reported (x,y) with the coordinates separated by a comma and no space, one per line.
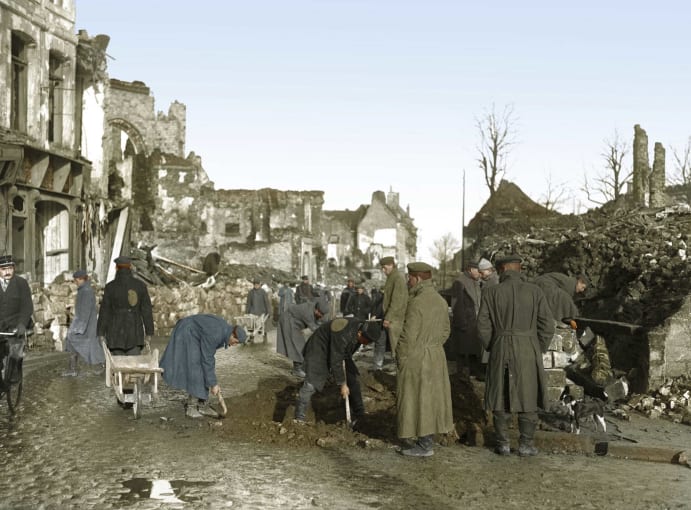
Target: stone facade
(669,353)
(43,173)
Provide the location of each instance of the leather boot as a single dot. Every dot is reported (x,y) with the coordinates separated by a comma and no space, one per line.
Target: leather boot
(527,423)
(500,420)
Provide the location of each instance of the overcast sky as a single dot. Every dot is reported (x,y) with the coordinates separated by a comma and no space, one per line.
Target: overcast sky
(353,96)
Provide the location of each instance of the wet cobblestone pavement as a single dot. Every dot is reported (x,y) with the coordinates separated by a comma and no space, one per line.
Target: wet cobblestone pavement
(73,446)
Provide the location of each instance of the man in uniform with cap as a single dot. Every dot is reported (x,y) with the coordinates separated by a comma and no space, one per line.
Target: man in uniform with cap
(305,291)
(465,304)
(125,315)
(516,327)
(423,389)
(189,361)
(81,339)
(346,294)
(360,304)
(258,302)
(394,306)
(16,308)
(290,341)
(329,352)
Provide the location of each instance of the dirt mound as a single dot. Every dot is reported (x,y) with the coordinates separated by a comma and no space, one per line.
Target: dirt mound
(266,415)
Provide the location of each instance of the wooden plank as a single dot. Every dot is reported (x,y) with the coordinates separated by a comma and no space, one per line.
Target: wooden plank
(118,241)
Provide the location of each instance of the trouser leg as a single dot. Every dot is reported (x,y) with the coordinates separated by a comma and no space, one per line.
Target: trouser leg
(379,350)
(303,400)
(356,405)
(501,426)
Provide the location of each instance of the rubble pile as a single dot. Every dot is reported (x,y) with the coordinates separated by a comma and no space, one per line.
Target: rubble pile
(636,260)
(671,401)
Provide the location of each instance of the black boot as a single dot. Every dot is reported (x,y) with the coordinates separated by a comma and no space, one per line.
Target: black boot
(500,420)
(527,423)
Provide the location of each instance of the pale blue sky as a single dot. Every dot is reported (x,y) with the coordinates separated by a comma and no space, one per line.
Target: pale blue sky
(352,96)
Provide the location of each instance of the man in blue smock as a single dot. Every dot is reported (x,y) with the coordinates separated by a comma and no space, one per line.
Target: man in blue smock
(189,361)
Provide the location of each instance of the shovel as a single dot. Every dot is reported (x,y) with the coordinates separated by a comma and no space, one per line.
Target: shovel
(349,421)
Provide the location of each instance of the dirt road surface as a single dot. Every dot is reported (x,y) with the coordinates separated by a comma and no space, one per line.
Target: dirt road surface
(73,446)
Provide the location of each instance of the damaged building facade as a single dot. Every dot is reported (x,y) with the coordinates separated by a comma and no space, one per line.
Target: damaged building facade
(88,168)
(43,174)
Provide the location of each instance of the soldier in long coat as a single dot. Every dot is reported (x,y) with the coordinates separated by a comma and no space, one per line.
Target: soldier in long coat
(465,305)
(81,339)
(290,341)
(423,390)
(189,361)
(560,290)
(395,300)
(258,301)
(516,327)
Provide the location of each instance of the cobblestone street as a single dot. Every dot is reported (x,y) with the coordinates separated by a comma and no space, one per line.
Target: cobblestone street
(72,446)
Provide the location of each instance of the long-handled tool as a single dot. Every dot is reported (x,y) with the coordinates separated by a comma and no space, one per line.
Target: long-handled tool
(349,422)
(222,409)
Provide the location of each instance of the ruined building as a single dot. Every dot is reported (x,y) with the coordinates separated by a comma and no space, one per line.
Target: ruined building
(43,173)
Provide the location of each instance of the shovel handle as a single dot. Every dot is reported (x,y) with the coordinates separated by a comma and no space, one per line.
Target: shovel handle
(221,404)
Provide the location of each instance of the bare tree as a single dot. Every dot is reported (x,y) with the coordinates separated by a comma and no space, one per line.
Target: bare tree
(497,135)
(554,196)
(609,184)
(442,251)
(682,164)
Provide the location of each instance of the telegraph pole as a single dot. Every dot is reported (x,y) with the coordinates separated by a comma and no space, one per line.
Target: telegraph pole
(462,221)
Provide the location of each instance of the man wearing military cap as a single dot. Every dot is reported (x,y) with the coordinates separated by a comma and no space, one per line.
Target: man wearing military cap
(125,316)
(16,308)
(423,389)
(465,344)
(516,327)
(329,352)
(305,292)
(394,305)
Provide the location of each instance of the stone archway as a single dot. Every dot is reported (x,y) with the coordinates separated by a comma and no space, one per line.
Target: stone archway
(132,133)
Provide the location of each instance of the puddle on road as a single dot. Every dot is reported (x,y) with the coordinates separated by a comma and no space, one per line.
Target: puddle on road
(173,491)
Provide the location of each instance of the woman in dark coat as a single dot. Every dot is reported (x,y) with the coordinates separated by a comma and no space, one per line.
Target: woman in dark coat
(189,361)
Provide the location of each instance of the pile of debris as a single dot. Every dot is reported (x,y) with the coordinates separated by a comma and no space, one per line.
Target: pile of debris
(671,401)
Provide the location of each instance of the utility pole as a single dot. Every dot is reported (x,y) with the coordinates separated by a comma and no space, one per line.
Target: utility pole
(462,221)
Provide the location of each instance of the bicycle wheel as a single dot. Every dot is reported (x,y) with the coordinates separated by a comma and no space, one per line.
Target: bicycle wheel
(13,379)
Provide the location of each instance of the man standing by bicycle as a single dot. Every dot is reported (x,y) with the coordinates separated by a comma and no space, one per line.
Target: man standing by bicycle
(16,306)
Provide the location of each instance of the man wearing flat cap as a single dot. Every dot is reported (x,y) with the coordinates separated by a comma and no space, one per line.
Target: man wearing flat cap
(359,305)
(329,352)
(465,304)
(423,389)
(290,340)
(125,316)
(394,305)
(516,327)
(81,339)
(258,302)
(16,308)
(488,273)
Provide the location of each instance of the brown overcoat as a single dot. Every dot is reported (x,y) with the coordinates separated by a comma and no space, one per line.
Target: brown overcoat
(423,391)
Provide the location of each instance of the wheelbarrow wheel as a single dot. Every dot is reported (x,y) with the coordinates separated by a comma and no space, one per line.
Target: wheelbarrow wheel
(137,404)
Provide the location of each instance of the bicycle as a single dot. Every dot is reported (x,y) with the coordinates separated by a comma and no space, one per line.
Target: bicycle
(11,376)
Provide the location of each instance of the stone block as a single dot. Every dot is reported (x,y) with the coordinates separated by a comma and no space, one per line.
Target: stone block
(560,359)
(547,361)
(556,343)
(556,377)
(553,393)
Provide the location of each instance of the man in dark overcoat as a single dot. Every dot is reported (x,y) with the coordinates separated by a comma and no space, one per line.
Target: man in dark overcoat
(305,292)
(332,344)
(359,305)
(290,341)
(16,308)
(516,327)
(125,316)
(258,302)
(465,304)
(189,361)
